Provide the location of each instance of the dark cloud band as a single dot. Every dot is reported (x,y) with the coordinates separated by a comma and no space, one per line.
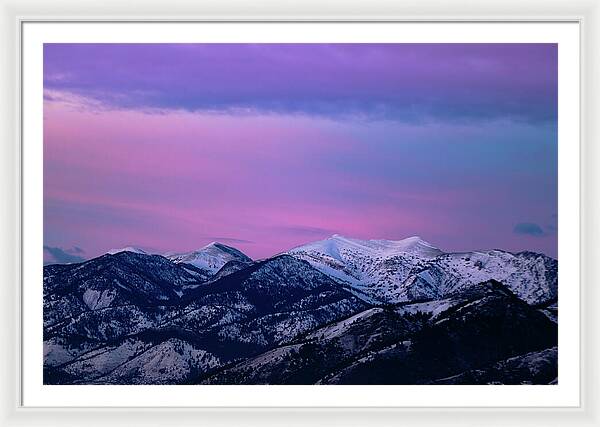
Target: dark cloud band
(404,82)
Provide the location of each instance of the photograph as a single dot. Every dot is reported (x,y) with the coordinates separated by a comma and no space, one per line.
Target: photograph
(300,214)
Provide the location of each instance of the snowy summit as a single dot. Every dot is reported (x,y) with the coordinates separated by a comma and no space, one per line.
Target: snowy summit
(210,257)
(128,249)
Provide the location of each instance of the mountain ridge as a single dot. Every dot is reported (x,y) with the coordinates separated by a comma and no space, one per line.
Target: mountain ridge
(408,269)
(392,271)
(138,318)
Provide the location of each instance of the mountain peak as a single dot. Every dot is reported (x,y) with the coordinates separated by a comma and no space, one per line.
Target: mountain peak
(218,245)
(379,247)
(210,245)
(210,257)
(407,240)
(127,249)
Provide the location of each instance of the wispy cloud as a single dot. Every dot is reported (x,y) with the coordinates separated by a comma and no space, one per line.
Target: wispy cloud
(304,230)
(56,255)
(229,240)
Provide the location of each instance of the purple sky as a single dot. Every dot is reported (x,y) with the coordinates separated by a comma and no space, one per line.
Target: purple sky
(265,147)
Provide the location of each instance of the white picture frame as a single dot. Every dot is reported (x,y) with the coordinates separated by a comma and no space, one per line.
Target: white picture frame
(15,14)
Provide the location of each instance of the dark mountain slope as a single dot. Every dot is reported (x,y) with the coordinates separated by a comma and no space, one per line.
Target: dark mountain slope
(243,313)
(485,324)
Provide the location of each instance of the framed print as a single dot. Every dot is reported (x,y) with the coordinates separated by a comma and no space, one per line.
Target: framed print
(334,216)
(294,179)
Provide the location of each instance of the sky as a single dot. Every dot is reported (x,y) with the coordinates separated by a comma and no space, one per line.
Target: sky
(264,147)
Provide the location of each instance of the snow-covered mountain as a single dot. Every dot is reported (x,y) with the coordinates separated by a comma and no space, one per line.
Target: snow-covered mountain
(336,311)
(531,276)
(129,319)
(373,268)
(404,345)
(119,280)
(211,257)
(411,269)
